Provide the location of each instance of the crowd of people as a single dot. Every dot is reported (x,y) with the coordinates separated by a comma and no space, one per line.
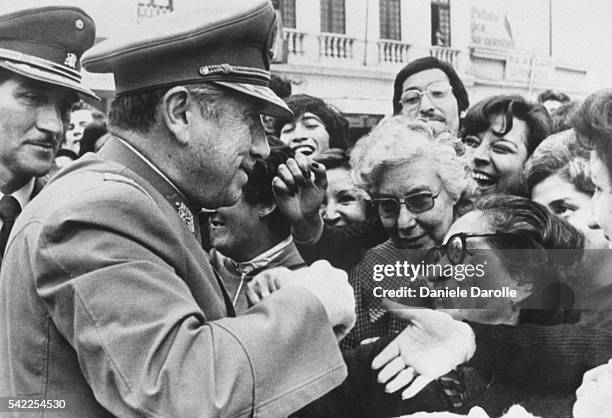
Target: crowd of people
(210,249)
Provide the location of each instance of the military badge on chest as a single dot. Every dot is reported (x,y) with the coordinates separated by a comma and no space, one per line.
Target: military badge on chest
(185,214)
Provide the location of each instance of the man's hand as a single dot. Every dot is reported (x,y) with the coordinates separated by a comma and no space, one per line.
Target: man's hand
(330,285)
(594,396)
(299,189)
(429,347)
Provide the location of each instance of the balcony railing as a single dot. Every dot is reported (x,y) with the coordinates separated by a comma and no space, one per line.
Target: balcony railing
(392,51)
(445,54)
(295,41)
(333,45)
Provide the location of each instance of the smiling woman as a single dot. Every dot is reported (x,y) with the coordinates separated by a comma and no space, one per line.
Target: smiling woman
(500,132)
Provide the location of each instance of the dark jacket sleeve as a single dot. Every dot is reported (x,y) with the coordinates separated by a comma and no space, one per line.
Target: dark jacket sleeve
(360,395)
(342,246)
(549,357)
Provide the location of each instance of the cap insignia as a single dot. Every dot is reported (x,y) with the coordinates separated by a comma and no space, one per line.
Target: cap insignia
(71,60)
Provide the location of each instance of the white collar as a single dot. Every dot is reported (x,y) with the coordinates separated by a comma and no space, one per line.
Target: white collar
(24,194)
(264,258)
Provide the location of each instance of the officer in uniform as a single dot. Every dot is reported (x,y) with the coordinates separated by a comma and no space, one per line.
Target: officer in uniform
(39,80)
(107,298)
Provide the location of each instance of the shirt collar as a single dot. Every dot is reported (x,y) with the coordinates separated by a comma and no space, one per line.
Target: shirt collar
(24,194)
(264,258)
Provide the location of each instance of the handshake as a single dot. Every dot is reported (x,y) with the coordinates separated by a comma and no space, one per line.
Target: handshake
(430,346)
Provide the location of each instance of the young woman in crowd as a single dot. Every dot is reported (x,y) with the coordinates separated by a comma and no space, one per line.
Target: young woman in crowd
(316,127)
(417,184)
(500,132)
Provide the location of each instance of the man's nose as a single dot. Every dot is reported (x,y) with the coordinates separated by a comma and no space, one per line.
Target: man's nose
(259,142)
(426,105)
(50,120)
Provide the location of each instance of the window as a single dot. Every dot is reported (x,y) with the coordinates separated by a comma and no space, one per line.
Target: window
(390,27)
(287,12)
(332,16)
(440,23)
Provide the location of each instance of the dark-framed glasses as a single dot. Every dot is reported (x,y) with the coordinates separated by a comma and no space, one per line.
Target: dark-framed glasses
(415,203)
(437,91)
(456,247)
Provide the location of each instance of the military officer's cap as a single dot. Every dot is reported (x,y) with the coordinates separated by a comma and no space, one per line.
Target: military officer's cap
(46,44)
(227,43)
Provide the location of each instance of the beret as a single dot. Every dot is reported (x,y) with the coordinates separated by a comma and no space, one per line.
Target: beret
(227,43)
(46,44)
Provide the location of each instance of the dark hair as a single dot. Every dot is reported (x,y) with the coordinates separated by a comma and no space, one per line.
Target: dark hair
(559,154)
(337,126)
(91,134)
(280,85)
(535,226)
(553,95)
(561,116)
(478,118)
(592,122)
(258,188)
(428,63)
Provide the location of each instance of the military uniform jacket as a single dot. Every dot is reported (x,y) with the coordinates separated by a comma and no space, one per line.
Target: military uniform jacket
(109,303)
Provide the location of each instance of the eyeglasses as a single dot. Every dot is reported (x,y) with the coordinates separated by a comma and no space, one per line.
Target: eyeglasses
(436,92)
(456,248)
(415,203)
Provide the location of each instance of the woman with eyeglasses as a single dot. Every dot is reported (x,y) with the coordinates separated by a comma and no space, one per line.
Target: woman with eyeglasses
(417,182)
(523,248)
(500,133)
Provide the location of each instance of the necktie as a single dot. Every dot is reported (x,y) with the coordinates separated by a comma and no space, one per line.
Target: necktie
(9,210)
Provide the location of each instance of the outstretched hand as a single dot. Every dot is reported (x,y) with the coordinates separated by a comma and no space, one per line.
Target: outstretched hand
(299,189)
(429,347)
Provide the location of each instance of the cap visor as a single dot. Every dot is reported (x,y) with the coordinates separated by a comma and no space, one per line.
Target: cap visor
(273,105)
(39,74)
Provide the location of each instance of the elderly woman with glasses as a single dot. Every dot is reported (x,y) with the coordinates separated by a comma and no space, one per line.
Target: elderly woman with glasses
(417,183)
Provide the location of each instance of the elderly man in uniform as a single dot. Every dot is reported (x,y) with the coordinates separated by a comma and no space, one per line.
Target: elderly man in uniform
(107,298)
(39,81)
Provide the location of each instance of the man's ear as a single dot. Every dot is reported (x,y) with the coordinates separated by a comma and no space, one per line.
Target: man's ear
(265,210)
(174,108)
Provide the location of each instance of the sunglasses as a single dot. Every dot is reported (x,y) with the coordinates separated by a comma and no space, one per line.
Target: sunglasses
(415,203)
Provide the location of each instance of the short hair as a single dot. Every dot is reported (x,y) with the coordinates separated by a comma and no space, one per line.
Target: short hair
(397,140)
(592,122)
(559,154)
(258,189)
(429,63)
(537,119)
(335,123)
(553,95)
(527,225)
(137,111)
